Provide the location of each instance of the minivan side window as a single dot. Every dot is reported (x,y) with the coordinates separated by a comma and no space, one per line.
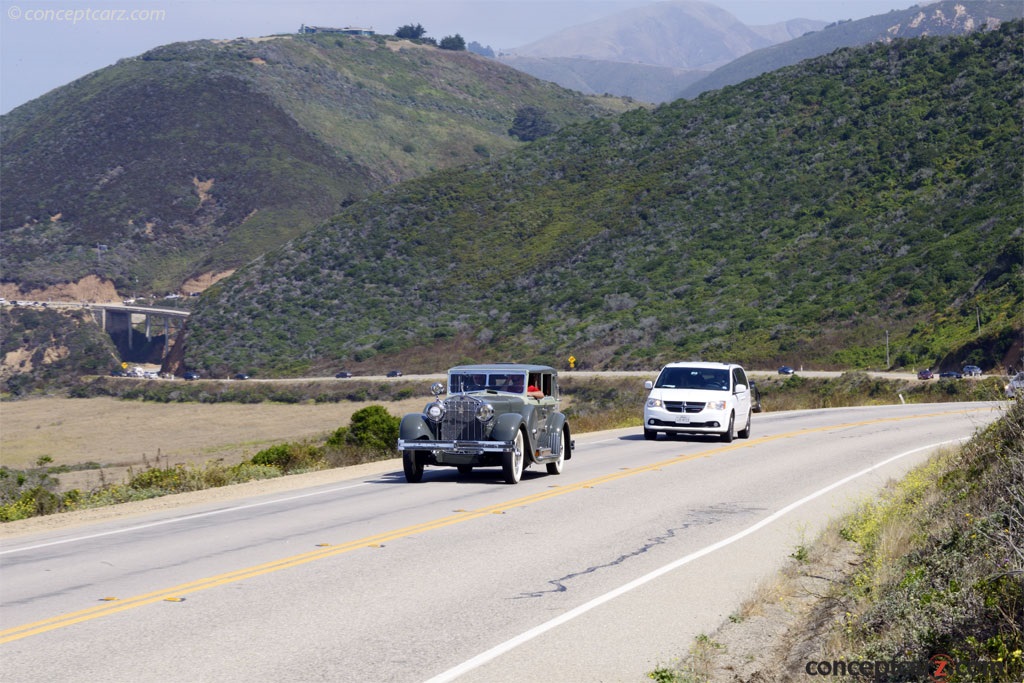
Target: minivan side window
(739,378)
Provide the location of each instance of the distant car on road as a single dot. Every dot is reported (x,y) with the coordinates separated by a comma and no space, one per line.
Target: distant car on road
(344,374)
(241,375)
(786,370)
(191,375)
(395,373)
(950,374)
(972,371)
(925,374)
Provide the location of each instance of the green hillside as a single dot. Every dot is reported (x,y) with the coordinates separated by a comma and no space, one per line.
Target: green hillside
(198,157)
(797,217)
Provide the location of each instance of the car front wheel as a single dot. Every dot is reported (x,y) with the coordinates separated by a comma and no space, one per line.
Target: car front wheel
(650,434)
(512,462)
(745,432)
(412,463)
(727,436)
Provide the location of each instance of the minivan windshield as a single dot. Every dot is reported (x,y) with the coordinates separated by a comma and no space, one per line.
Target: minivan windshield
(462,382)
(715,379)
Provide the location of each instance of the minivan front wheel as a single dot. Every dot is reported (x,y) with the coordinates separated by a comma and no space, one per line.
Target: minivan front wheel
(728,434)
(745,432)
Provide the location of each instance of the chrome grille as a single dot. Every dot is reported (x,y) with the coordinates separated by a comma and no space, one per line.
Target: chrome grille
(684,406)
(460,423)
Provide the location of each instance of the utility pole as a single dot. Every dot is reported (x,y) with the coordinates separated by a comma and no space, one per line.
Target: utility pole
(887,365)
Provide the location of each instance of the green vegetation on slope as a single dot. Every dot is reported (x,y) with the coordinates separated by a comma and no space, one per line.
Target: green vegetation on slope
(942,568)
(198,157)
(44,350)
(796,217)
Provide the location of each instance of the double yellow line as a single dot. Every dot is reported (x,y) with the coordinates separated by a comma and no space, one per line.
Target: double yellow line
(175,594)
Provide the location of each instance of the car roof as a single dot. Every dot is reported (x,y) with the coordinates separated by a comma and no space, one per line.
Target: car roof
(502,367)
(701,364)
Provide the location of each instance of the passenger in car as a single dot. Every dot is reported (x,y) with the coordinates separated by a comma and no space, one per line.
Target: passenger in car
(534,390)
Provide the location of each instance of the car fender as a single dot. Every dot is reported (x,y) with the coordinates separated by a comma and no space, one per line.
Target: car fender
(505,429)
(414,427)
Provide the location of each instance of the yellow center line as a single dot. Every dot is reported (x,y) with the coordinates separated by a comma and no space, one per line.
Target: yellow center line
(115,606)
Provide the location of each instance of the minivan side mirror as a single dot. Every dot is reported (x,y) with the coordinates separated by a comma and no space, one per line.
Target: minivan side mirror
(740,388)
(648,384)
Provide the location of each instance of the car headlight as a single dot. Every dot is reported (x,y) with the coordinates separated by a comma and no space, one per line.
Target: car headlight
(435,411)
(654,403)
(716,405)
(484,412)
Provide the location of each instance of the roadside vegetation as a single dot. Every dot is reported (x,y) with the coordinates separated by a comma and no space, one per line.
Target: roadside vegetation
(930,572)
(370,435)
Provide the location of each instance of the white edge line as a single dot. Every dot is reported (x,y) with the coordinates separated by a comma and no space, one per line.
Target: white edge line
(184,518)
(502,648)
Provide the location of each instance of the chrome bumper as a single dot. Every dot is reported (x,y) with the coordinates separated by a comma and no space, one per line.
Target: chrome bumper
(461,447)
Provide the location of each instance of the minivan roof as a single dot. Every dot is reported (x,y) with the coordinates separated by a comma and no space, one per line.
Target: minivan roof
(701,364)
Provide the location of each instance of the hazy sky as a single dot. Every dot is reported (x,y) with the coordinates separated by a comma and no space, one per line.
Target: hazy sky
(46,44)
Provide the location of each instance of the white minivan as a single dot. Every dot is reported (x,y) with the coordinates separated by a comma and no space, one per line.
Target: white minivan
(699,398)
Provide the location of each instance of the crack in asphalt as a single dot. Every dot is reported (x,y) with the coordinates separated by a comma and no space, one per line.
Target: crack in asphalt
(701,517)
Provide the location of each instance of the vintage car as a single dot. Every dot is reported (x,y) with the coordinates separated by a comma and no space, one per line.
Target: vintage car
(496,415)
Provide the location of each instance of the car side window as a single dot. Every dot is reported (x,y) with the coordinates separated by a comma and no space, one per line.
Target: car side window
(739,378)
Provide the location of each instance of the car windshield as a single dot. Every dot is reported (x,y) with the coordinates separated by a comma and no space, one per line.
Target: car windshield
(694,378)
(462,382)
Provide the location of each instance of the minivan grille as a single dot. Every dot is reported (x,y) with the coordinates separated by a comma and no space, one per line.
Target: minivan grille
(684,406)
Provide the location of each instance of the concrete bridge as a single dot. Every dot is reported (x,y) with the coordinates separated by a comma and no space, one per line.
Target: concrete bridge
(119,319)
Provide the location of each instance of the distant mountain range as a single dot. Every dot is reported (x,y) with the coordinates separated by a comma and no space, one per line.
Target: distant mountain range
(666,50)
(803,216)
(192,159)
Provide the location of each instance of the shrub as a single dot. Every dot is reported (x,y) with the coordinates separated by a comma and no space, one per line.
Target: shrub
(291,457)
(375,428)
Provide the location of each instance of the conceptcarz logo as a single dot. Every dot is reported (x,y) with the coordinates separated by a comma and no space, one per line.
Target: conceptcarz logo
(939,668)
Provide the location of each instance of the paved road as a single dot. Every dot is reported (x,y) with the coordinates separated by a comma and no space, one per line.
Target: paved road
(599,574)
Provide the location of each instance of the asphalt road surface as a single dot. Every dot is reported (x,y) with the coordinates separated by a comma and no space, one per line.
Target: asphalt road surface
(600,574)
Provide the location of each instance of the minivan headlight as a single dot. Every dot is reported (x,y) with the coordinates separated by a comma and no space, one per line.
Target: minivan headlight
(654,403)
(716,405)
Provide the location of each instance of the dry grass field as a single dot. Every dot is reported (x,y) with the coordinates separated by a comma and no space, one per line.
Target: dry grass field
(119,435)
